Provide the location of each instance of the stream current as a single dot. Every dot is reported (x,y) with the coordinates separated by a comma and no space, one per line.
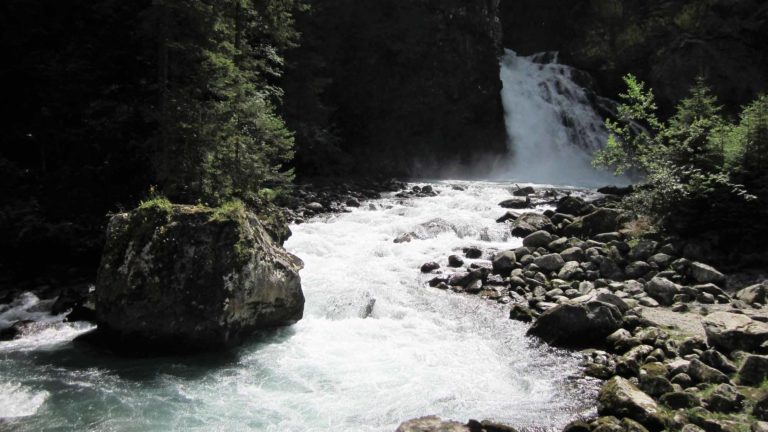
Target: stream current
(345,366)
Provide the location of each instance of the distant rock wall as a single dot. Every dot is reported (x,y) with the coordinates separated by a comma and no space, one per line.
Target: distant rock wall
(403,87)
(667,43)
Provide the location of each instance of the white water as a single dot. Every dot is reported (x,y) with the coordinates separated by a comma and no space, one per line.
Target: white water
(552,127)
(422,351)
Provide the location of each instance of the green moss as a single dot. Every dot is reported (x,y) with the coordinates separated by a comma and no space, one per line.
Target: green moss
(229,211)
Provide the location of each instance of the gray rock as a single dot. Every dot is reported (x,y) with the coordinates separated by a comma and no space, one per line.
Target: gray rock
(643,250)
(661,259)
(637,269)
(574,206)
(516,203)
(504,262)
(725,399)
(680,400)
(602,220)
(538,239)
(619,397)
(570,271)
(429,267)
(314,206)
(573,254)
(662,290)
(520,312)
(550,262)
(191,278)
(529,223)
(754,294)
(577,325)
(754,370)
(702,373)
(432,424)
(403,238)
(703,273)
(718,361)
(730,332)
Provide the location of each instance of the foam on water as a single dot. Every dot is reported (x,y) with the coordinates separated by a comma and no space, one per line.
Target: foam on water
(345,366)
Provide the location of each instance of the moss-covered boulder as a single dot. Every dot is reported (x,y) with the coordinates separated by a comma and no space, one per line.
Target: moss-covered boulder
(189,278)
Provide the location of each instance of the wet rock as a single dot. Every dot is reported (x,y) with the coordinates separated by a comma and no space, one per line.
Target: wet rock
(729,332)
(472,252)
(314,207)
(23,328)
(516,203)
(404,238)
(577,325)
(431,424)
(754,370)
(510,215)
(662,290)
(520,312)
(455,261)
(429,267)
(619,397)
(524,191)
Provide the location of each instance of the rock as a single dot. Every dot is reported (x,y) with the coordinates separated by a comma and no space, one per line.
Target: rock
(655,385)
(573,254)
(404,238)
(718,361)
(521,313)
(504,262)
(472,253)
(643,250)
(703,273)
(529,223)
(680,400)
(524,191)
(577,325)
(537,239)
(23,328)
(574,206)
(609,269)
(607,237)
(725,399)
(759,426)
(662,290)
(754,370)
(510,215)
(431,424)
(683,380)
(754,294)
(315,207)
(637,269)
(550,262)
(730,332)
(620,398)
(190,278)
(429,267)
(570,271)
(648,302)
(702,373)
(72,296)
(761,408)
(662,260)
(621,340)
(516,203)
(600,221)
(691,345)
(455,261)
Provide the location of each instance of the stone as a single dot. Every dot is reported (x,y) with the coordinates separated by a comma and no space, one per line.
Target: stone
(190,278)
(472,253)
(620,398)
(655,385)
(529,223)
(702,373)
(455,261)
(662,290)
(761,408)
(683,380)
(429,267)
(680,400)
(573,254)
(637,269)
(754,370)
(643,250)
(571,271)
(600,221)
(703,273)
(522,313)
(725,399)
(692,344)
(574,206)
(315,207)
(577,325)
(538,239)
(754,294)
(730,332)
(550,262)
(516,203)
(662,260)
(718,361)
(431,424)
(510,215)
(403,238)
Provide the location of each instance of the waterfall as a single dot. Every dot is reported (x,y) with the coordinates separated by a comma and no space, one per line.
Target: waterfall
(552,127)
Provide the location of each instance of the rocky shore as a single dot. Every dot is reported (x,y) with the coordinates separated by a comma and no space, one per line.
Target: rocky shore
(678,344)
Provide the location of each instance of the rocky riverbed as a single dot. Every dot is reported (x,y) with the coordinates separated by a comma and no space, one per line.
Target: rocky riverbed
(677,343)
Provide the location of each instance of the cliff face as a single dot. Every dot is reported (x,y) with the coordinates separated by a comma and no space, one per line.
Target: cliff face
(665,42)
(395,85)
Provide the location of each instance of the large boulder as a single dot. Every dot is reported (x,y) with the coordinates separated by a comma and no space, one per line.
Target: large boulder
(577,325)
(619,397)
(190,278)
(529,223)
(703,273)
(729,332)
(754,294)
(574,206)
(436,424)
(662,290)
(602,220)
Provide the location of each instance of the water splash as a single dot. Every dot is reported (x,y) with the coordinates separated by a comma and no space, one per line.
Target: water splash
(552,125)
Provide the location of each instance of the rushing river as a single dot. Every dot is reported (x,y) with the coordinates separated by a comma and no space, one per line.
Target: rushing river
(345,366)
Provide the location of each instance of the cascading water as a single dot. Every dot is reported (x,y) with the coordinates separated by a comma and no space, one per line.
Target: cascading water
(553,128)
(377,346)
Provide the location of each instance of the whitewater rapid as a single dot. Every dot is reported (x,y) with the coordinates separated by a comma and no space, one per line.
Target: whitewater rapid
(421,351)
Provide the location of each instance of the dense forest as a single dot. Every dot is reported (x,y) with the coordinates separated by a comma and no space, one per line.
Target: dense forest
(108,102)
